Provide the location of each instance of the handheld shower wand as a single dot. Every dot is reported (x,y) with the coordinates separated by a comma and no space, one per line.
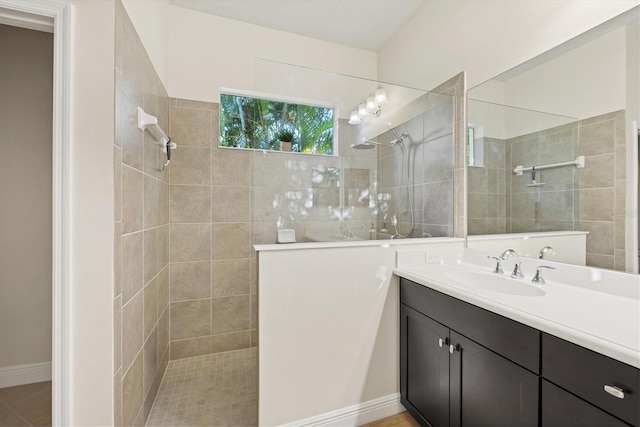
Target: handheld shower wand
(399,142)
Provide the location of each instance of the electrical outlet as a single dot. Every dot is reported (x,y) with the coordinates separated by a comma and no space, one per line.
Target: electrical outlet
(433,258)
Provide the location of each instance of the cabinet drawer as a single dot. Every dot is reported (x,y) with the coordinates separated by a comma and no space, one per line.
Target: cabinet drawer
(515,341)
(585,373)
(561,408)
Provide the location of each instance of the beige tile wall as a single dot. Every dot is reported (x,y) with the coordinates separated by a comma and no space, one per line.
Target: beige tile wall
(487,191)
(428,156)
(590,199)
(553,206)
(141,267)
(602,188)
(211,299)
(310,193)
(456,87)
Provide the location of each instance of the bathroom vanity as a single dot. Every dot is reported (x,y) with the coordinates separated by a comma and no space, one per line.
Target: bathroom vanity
(485,353)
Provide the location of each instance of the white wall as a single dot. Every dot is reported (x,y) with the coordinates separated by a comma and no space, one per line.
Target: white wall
(587,81)
(583,81)
(328,325)
(92,205)
(485,38)
(204,52)
(26,79)
(151,18)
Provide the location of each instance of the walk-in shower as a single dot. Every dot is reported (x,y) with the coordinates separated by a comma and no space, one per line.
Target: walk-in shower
(399,140)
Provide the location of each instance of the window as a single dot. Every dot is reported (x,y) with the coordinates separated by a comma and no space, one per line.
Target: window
(265,124)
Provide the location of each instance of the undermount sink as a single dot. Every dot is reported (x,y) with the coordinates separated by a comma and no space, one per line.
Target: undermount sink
(494,283)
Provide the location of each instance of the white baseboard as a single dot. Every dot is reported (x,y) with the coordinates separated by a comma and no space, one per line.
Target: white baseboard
(25,374)
(355,415)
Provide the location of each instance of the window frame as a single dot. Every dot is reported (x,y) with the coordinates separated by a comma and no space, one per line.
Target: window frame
(285,99)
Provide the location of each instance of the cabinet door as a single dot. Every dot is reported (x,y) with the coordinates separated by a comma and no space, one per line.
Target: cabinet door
(489,390)
(561,408)
(424,368)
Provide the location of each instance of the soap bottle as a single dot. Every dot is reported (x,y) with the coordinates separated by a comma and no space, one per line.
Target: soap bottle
(373,234)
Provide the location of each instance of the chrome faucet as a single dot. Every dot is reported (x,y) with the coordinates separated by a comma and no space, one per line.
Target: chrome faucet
(538,277)
(546,250)
(517,271)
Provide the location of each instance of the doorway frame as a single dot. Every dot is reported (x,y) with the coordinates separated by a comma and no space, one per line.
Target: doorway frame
(56,15)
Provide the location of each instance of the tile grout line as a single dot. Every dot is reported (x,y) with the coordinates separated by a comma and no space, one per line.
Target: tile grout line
(14,411)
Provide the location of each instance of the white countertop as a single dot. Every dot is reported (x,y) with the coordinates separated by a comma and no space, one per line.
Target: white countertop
(356,243)
(596,309)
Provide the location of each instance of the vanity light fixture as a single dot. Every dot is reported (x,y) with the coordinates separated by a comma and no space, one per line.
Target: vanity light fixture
(362,110)
(369,107)
(380,96)
(354,118)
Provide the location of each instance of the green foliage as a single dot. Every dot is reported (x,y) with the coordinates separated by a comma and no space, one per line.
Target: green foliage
(261,124)
(285,136)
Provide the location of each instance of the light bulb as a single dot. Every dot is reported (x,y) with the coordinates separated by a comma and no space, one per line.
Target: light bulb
(371,103)
(380,96)
(354,118)
(362,110)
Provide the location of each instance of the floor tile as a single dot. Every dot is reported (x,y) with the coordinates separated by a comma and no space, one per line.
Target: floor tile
(10,395)
(36,409)
(26,405)
(213,390)
(8,418)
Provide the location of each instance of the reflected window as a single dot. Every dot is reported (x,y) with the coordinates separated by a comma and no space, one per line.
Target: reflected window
(267,124)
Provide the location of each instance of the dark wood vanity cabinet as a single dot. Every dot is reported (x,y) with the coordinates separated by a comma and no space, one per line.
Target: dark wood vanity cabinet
(461,365)
(561,409)
(424,377)
(446,378)
(584,374)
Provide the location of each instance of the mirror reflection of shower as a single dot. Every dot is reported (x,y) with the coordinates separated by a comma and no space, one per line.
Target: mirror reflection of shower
(405,179)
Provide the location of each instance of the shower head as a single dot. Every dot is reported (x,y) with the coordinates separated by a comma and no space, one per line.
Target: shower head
(364,145)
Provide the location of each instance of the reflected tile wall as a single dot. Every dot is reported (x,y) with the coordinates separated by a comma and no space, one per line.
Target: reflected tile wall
(487,191)
(421,174)
(589,199)
(456,87)
(554,205)
(141,263)
(501,202)
(602,188)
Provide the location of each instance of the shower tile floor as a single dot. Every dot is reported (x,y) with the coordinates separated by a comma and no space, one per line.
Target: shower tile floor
(216,390)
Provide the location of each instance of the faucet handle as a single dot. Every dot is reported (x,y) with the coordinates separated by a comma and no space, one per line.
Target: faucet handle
(538,277)
(498,268)
(517,271)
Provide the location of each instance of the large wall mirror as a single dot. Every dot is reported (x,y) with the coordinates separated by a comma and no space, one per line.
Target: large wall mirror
(394,154)
(552,144)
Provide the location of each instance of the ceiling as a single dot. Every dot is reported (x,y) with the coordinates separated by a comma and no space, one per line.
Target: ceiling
(364,24)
